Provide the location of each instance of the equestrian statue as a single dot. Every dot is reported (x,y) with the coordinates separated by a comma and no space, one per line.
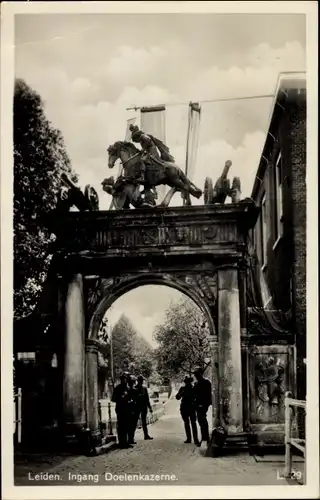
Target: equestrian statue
(149,167)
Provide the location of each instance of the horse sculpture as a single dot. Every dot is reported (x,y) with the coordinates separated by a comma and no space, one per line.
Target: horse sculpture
(126,189)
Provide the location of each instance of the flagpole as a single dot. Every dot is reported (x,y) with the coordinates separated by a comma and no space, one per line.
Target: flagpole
(188,136)
(193,108)
(184,201)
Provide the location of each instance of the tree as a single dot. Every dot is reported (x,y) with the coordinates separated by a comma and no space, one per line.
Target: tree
(183,340)
(123,338)
(143,357)
(39,159)
(130,351)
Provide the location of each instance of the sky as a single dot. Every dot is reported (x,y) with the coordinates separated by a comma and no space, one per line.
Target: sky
(145,307)
(89,68)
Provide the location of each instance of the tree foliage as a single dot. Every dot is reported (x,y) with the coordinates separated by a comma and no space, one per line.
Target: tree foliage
(123,339)
(143,358)
(39,159)
(130,351)
(183,340)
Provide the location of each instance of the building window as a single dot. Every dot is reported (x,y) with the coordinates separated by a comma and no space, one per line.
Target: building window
(263,231)
(278,199)
(54,361)
(26,356)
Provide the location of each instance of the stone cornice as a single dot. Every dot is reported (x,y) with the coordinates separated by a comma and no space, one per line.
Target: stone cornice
(218,231)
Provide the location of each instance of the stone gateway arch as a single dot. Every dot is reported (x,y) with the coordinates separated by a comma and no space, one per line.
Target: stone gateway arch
(201,251)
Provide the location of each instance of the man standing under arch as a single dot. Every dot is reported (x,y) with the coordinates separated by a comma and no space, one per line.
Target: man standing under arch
(142,405)
(187,409)
(203,399)
(121,396)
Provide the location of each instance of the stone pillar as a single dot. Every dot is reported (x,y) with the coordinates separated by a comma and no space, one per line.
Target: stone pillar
(92,397)
(244,346)
(229,339)
(243,301)
(214,380)
(74,362)
(60,334)
(245,384)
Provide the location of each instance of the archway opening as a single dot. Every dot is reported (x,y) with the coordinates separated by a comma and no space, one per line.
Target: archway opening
(156,331)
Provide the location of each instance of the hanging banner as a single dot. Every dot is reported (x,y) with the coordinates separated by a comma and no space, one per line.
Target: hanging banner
(153,121)
(131,121)
(192,138)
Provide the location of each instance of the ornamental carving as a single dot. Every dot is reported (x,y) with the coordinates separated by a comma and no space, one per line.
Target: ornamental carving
(93,294)
(270,387)
(148,237)
(182,234)
(210,232)
(100,239)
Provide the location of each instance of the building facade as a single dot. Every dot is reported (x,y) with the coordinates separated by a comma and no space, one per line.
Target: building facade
(279,190)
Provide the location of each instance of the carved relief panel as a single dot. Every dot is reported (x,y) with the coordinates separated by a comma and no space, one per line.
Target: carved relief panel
(271,375)
(134,234)
(166,235)
(93,293)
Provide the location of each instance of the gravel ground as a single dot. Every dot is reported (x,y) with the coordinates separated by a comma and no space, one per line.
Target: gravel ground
(166,455)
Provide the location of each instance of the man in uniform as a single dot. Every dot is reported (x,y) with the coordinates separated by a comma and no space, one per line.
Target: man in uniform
(188,410)
(121,398)
(142,406)
(203,400)
(132,409)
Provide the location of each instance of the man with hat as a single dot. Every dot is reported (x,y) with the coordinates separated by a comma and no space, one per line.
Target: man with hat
(203,399)
(188,410)
(121,397)
(142,406)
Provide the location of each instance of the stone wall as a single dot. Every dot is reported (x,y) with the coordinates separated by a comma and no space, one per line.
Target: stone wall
(297,138)
(285,272)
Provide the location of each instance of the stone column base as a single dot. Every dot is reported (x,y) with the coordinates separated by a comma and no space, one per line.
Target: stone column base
(224,444)
(86,442)
(255,442)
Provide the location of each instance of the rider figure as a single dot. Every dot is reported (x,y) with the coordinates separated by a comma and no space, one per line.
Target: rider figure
(153,149)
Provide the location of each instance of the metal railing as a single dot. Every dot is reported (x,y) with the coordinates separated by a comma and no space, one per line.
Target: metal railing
(106,418)
(17,421)
(157,412)
(108,415)
(110,420)
(295,412)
